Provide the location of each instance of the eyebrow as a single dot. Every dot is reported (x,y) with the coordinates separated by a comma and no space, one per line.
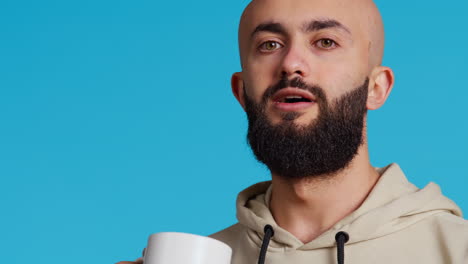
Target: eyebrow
(314,25)
(271,27)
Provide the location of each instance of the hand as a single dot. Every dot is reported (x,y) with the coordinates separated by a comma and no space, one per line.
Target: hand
(130,262)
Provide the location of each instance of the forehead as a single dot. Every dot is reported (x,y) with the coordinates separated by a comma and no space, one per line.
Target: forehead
(295,13)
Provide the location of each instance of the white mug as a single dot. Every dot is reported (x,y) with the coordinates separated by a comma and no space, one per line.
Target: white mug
(182,248)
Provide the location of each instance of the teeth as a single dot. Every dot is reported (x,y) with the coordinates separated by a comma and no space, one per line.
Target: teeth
(294,99)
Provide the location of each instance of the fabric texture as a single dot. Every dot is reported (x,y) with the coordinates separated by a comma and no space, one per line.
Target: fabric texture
(397,223)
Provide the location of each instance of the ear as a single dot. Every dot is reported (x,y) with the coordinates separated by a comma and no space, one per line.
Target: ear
(237,86)
(380,86)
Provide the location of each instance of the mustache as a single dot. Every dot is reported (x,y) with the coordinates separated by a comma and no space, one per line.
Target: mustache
(297,82)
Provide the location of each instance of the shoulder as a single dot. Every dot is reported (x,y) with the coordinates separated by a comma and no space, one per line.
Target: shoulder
(447,233)
(451,223)
(230,235)
(451,232)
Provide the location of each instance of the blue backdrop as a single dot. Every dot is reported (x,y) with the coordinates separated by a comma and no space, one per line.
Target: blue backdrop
(117,120)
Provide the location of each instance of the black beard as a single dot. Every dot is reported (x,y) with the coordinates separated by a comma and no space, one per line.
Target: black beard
(322,148)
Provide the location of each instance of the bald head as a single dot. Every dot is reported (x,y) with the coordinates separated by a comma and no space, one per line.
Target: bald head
(360,17)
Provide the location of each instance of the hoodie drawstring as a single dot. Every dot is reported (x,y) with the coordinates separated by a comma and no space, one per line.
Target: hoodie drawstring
(340,237)
(269,233)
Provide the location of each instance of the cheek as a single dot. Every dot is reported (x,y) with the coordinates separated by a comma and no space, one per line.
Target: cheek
(259,76)
(337,77)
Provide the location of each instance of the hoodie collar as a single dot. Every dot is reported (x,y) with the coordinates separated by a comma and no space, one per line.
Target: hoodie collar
(393,204)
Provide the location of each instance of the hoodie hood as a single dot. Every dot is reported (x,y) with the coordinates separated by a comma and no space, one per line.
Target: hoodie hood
(392,205)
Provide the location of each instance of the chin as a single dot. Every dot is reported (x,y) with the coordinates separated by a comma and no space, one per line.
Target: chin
(299,119)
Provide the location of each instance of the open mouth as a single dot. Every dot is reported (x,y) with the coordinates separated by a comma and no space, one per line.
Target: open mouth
(293,99)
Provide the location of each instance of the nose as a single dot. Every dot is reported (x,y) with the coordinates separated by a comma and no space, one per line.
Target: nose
(295,62)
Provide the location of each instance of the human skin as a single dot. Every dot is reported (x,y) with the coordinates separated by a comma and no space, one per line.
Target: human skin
(308,207)
(307,45)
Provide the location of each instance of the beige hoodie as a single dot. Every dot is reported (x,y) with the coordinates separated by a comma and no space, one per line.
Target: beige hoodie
(397,223)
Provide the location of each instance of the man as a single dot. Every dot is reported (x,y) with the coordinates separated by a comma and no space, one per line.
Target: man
(310,71)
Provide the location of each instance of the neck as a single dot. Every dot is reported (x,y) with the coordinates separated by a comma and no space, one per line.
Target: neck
(308,207)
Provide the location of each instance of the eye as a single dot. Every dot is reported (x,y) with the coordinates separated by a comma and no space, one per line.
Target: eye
(326,44)
(270,46)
